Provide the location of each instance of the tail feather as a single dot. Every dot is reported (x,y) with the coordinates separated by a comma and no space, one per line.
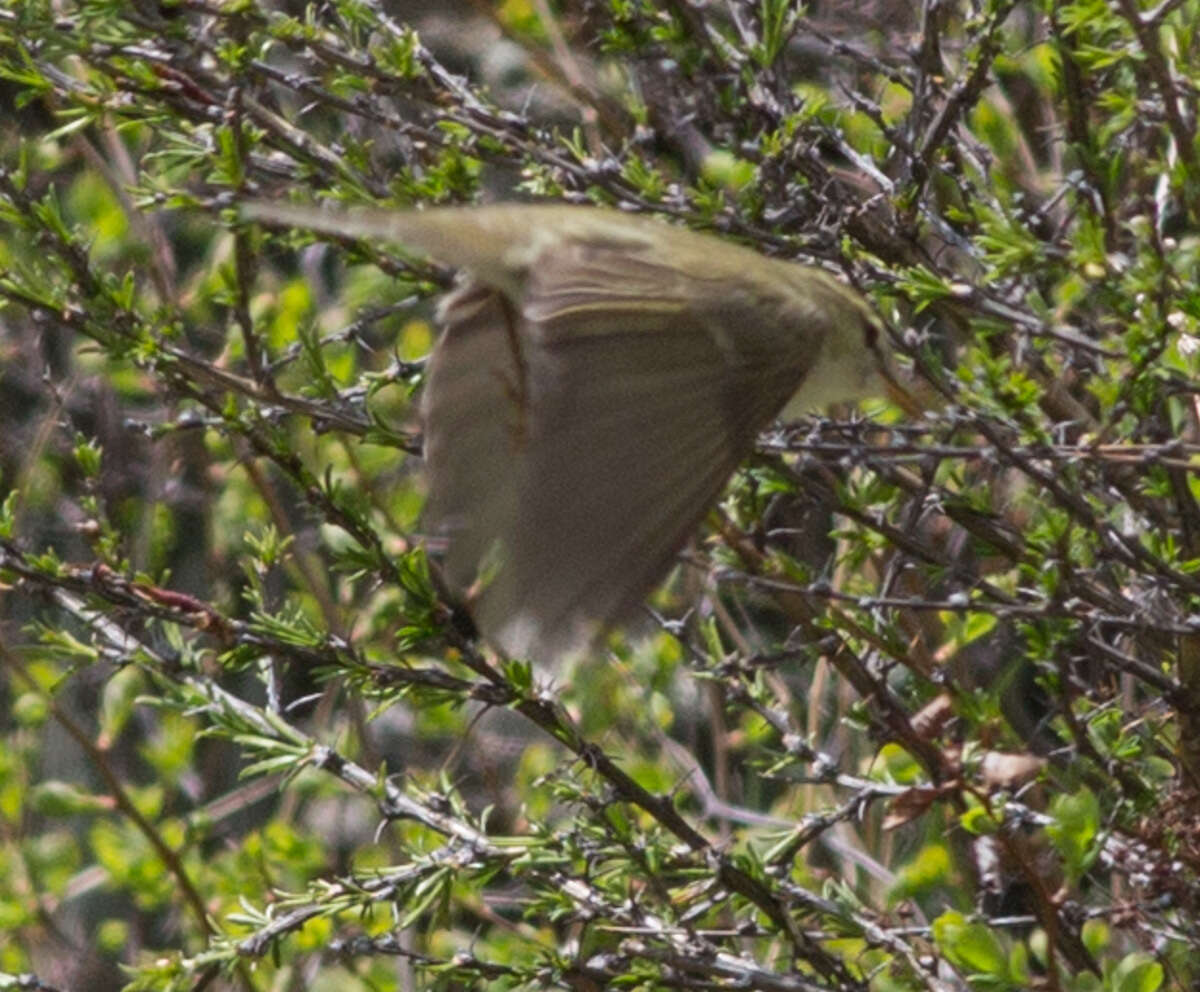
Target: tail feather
(494,244)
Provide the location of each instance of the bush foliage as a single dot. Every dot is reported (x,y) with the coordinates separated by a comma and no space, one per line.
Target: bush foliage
(920,708)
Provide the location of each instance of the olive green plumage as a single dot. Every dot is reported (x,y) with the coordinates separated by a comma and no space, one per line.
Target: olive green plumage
(598,378)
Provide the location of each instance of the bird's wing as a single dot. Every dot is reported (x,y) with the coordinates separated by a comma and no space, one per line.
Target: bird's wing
(592,427)
(474,413)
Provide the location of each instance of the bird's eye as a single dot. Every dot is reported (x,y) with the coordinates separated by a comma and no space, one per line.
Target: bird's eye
(870,334)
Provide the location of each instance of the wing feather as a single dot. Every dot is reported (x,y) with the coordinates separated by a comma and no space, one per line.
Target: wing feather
(609,412)
(474,426)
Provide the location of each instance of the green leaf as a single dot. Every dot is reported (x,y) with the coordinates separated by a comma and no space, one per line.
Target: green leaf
(1075,830)
(1136,972)
(972,948)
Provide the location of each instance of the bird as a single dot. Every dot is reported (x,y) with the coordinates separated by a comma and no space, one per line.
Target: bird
(597,379)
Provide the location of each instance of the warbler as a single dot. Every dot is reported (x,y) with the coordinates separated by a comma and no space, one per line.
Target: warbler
(597,379)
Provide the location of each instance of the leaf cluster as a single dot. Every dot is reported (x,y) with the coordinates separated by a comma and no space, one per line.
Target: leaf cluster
(919,710)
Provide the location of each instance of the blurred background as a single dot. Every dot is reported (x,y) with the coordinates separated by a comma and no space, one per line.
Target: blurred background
(916,710)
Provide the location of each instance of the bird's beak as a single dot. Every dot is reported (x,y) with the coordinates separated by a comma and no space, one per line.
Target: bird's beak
(911,396)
